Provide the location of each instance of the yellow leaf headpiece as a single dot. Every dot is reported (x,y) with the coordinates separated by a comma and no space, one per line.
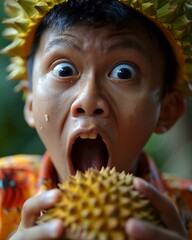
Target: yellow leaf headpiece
(173,17)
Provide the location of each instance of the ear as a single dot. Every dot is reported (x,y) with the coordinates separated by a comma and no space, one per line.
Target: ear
(28,110)
(172,108)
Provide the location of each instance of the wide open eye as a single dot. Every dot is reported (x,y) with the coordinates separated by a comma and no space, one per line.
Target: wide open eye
(124,71)
(64,69)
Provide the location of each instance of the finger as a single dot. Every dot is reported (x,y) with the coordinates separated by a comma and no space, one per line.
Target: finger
(165,208)
(33,206)
(50,230)
(138,229)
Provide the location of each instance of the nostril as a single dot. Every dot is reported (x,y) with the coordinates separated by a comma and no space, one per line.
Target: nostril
(80,110)
(98,111)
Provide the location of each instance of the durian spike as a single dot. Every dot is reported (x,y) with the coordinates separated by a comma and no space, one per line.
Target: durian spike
(96,205)
(13,9)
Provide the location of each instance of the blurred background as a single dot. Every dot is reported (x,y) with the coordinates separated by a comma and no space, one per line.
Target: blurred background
(15,135)
(172,151)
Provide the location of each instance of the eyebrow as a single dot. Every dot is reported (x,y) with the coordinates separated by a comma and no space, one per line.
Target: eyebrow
(125,43)
(128,43)
(60,42)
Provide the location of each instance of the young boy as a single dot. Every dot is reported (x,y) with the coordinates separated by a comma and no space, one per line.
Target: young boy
(99,78)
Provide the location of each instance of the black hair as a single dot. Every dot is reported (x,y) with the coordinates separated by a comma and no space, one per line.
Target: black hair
(99,13)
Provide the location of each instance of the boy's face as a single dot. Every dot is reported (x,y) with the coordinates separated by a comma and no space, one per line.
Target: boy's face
(96,89)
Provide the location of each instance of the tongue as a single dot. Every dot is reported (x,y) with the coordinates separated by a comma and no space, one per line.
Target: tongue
(88,153)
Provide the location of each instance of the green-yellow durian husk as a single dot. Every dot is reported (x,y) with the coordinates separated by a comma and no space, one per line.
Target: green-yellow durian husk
(96,205)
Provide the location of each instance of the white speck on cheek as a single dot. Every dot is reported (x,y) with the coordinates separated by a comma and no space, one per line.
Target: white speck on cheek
(46,118)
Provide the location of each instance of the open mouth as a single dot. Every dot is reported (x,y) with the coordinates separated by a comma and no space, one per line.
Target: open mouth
(88,153)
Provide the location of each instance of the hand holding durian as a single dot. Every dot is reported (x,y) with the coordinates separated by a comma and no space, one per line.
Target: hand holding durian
(100,205)
(95,205)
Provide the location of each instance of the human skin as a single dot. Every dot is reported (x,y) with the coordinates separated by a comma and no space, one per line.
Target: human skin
(92,99)
(124,112)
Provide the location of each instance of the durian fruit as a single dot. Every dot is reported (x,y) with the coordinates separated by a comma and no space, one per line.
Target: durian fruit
(96,205)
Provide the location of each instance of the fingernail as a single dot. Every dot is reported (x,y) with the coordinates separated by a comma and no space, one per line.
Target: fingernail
(50,195)
(53,225)
(55,228)
(133,226)
(138,183)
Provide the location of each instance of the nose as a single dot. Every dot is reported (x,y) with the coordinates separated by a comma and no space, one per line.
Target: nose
(90,101)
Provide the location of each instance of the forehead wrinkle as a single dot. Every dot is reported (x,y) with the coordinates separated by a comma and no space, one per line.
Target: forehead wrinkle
(109,43)
(61,42)
(129,44)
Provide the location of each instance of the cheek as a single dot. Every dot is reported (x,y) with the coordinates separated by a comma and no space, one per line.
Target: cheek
(42,119)
(50,113)
(147,115)
(47,125)
(44,103)
(139,118)
(45,113)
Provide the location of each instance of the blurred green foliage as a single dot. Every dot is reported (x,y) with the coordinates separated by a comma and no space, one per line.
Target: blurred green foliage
(15,136)
(172,151)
